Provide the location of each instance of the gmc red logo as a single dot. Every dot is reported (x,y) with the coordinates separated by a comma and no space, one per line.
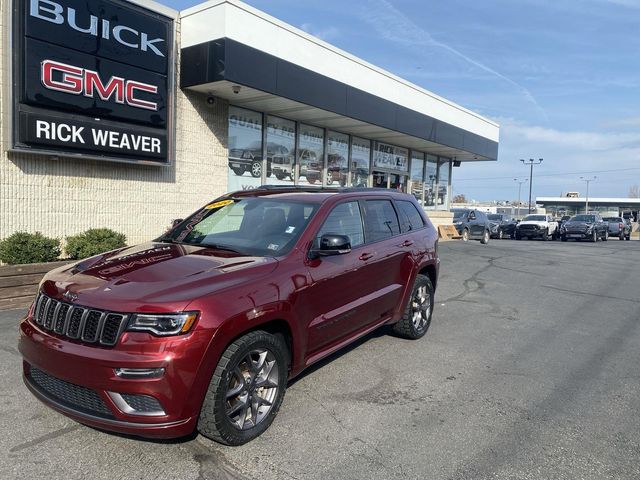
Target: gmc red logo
(82,81)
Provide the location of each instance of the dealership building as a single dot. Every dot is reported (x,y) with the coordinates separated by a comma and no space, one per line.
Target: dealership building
(127,114)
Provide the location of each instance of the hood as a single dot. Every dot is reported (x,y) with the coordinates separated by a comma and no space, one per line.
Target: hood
(154,273)
(531,222)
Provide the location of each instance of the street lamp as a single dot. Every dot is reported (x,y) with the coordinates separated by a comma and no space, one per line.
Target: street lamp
(520,182)
(531,162)
(586,203)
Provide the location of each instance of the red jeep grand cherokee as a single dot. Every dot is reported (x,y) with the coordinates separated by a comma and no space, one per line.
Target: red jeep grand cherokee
(204,326)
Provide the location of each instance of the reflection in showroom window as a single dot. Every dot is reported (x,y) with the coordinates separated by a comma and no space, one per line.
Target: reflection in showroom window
(310,154)
(430,177)
(281,150)
(360,159)
(245,149)
(443,185)
(344,219)
(337,159)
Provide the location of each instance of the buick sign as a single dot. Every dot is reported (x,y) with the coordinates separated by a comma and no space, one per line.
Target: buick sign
(92,78)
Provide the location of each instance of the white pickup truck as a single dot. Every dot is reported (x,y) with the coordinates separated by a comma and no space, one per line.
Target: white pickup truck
(537,226)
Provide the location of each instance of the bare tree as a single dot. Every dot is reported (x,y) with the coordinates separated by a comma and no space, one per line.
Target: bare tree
(634,191)
(460,198)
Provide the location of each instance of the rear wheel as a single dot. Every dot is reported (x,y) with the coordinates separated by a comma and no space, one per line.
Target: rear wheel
(606,236)
(246,389)
(417,315)
(545,235)
(621,236)
(238,171)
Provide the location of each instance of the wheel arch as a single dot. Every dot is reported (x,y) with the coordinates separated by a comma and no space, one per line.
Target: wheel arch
(430,271)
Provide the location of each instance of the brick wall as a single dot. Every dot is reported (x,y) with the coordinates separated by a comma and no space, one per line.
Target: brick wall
(61,197)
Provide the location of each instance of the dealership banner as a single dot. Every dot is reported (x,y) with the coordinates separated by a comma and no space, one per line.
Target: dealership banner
(93,77)
(390,157)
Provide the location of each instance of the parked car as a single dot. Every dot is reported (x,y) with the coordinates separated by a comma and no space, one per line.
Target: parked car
(243,160)
(472,225)
(337,169)
(502,225)
(203,327)
(619,227)
(585,227)
(537,226)
(310,167)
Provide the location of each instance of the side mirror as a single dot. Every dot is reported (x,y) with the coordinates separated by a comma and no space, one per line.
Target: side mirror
(175,223)
(331,244)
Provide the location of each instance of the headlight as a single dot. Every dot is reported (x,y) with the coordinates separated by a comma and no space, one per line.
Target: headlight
(163,324)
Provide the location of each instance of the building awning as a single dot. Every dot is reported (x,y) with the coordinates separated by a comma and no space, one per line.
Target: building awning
(284,71)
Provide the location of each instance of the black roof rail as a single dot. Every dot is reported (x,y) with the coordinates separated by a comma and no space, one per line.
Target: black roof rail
(311,188)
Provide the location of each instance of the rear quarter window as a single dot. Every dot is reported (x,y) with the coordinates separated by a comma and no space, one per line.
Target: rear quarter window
(410,218)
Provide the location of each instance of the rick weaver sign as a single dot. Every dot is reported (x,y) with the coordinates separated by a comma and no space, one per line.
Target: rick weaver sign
(92,79)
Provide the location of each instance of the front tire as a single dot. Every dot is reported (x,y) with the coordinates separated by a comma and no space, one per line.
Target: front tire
(485,237)
(238,171)
(606,236)
(545,235)
(465,235)
(417,315)
(256,169)
(594,237)
(246,389)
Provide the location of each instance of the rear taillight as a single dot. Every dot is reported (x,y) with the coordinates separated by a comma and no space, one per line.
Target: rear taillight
(621,226)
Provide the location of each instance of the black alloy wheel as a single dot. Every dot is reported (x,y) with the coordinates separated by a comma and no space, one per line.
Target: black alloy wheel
(246,389)
(417,315)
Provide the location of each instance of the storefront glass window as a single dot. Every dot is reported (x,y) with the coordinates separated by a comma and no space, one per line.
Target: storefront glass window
(310,154)
(245,149)
(360,158)
(443,183)
(390,157)
(430,178)
(281,150)
(416,186)
(337,159)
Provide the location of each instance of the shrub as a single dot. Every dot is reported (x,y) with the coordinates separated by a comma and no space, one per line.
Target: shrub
(23,247)
(94,241)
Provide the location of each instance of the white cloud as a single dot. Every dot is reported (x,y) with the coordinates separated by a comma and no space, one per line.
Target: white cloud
(325,34)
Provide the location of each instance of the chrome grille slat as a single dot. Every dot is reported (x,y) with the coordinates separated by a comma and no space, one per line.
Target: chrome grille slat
(79,323)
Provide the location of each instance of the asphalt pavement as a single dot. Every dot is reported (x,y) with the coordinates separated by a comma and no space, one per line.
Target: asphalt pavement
(529,371)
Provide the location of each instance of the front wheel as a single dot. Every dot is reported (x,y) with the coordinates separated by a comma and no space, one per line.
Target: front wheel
(500,234)
(545,235)
(606,236)
(465,235)
(485,237)
(256,169)
(246,389)
(594,237)
(417,315)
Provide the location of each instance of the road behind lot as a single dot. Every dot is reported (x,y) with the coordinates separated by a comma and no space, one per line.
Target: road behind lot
(529,371)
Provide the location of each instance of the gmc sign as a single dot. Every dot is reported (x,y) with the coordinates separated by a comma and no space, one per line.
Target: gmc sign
(92,77)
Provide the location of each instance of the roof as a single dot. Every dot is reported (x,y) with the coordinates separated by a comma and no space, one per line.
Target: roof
(314,194)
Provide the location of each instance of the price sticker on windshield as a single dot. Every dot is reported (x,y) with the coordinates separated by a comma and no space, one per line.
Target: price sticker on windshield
(219,204)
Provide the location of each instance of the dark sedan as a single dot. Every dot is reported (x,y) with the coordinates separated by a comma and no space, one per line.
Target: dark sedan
(585,227)
(502,225)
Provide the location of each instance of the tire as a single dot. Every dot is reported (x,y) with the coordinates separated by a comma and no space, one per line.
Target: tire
(416,318)
(621,236)
(256,169)
(238,171)
(312,180)
(500,234)
(606,236)
(628,237)
(518,236)
(563,238)
(594,237)
(465,235)
(485,237)
(238,369)
(280,176)
(545,235)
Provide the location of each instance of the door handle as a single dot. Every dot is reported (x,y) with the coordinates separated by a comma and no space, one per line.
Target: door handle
(366,256)
(406,243)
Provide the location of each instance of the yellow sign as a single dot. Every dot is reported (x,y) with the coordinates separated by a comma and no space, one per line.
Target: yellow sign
(219,204)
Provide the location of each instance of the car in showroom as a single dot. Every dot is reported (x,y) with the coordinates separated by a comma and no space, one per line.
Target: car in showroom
(472,224)
(618,227)
(502,225)
(589,226)
(203,327)
(310,168)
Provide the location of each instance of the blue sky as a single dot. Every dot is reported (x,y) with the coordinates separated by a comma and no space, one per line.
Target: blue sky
(562,77)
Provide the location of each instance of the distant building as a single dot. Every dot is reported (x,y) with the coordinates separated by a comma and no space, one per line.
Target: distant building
(558,206)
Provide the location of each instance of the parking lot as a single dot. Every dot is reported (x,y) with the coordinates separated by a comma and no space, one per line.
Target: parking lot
(530,370)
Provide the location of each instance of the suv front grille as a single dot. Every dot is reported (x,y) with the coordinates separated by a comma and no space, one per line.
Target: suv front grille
(76,322)
(74,396)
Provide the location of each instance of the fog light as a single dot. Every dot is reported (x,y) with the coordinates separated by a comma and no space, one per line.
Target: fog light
(139,373)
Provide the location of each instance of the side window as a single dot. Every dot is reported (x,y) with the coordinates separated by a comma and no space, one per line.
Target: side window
(410,218)
(381,220)
(344,219)
(472,215)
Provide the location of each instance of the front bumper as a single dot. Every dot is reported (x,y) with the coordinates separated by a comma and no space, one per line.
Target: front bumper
(578,235)
(530,233)
(54,366)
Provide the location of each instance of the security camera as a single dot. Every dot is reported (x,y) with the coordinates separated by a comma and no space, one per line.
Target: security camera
(236,89)
(211,100)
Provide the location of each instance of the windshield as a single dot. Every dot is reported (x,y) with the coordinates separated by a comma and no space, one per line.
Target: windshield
(535,218)
(584,218)
(613,219)
(459,214)
(249,226)
(494,216)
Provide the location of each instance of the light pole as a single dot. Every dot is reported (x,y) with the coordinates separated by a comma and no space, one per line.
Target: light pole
(586,203)
(531,162)
(520,182)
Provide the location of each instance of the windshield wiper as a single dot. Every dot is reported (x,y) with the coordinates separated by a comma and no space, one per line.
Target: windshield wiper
(218,246)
